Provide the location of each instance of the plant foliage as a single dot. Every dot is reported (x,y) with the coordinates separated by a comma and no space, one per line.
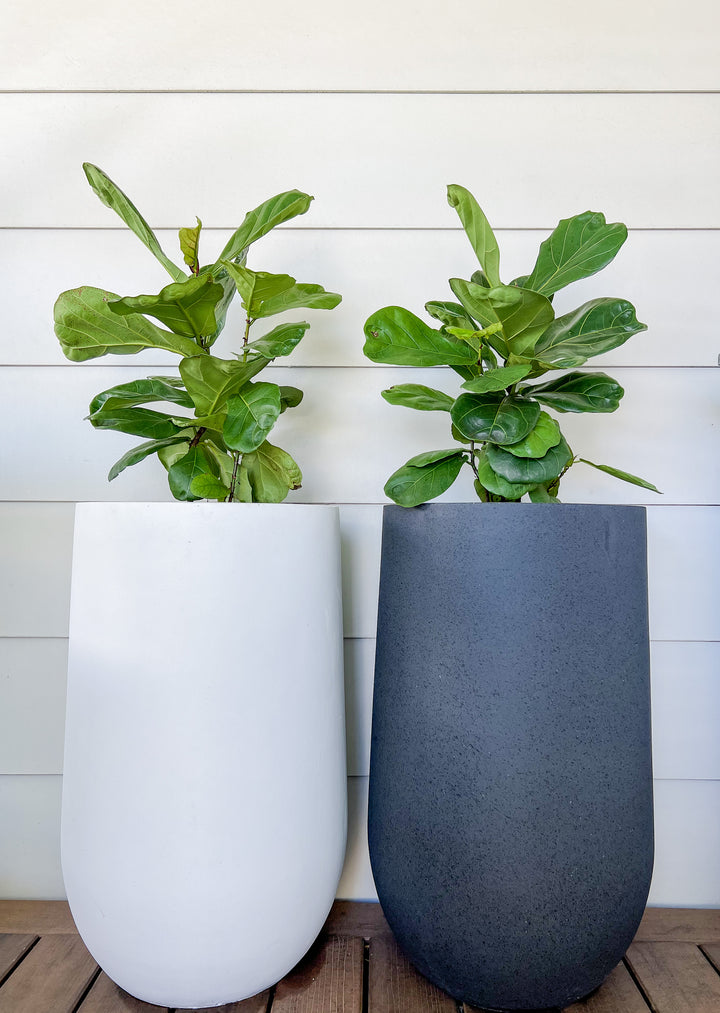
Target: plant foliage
(501,338)
(215,446)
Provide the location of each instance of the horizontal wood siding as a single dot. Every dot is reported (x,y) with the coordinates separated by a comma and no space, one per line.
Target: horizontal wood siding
(373,110)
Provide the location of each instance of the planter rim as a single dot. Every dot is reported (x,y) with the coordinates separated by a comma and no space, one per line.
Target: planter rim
(515,506)
(199,505)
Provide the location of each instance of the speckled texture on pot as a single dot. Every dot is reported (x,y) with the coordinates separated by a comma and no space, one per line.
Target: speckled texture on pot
(510,826)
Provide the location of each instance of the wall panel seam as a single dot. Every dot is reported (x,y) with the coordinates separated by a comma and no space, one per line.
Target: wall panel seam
(357,91)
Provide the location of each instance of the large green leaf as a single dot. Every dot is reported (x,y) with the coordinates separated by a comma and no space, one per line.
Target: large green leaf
(596,327)
(281,340)
(477,228)
(189,246)
(579,246)
(578,392)
(524,315)
(496,379)
(87,328)
(211,381)
(529,470)
(424,477)
(540,494)
(206,486)
(272,473)
(136,421)
(539,440)
(183,472)
(263,218)
(299,296)
(139,453)
(395,335)
(154,388)
(290,397)
(112,196)
(451,314)
(256,286)
(415,395)
(187,308)
(496,484)
(222,278)
(251,414)
(495,417)
(625,476)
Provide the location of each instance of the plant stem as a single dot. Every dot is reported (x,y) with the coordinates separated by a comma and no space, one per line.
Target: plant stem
(196,438)
(473,465)
(233,480)
(246,335)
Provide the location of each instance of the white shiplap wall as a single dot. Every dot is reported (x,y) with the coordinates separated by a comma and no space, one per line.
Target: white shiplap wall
(374,109)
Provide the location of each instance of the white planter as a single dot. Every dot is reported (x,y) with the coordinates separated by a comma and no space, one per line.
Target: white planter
(204,795)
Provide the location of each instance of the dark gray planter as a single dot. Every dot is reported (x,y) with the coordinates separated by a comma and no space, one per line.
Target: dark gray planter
(511,832)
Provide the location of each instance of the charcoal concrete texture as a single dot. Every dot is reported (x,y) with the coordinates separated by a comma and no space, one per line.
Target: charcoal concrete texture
(511,830)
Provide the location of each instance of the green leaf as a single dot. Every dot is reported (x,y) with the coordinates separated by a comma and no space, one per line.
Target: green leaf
(414,395)
(477,228)
(208,487)
(424,477)
(451,314)
(251,414)
(216,421)
(579,247)
(496,484)
(256,286)
(596,327)
(300,295)
(154,388)
(113,197)
(136,421)
(187,308)
(222,278)
(495,417)
(189,246)
(262,219)
(211,381)
(87,328)
(272,473)
(396,336)
(529,470)
(222,462)
(279,341)
(539,440)
(540,494)
(174,451)
(578,392)
(524,315)
(496,379)
(624,475)
(290,397)
(182,473)
(142,451)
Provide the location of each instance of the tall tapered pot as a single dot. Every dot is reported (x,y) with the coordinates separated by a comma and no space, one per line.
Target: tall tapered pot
(204,798)
(510,787)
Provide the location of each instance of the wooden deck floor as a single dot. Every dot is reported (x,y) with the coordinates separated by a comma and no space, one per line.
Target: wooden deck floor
(673,966)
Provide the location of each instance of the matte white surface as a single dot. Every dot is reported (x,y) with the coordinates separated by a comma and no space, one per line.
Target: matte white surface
(373,161)
(370,268)
(204,789)
(687,844)
(279,45)
(30,838)
(359,676)
(357,881)
(348,440)
(32,705)
(35,558)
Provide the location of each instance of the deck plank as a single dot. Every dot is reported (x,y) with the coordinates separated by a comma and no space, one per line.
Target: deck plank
(680,925)
(52,977)
(40,917)
(255,1004)
(107,997)
(12,948)
(676,977)
(617,994)
(356,918)
(712,952)
(394,986)
(328,980)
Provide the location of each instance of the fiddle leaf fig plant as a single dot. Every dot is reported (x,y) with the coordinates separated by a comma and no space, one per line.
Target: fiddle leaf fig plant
(211,434)
(501,338)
